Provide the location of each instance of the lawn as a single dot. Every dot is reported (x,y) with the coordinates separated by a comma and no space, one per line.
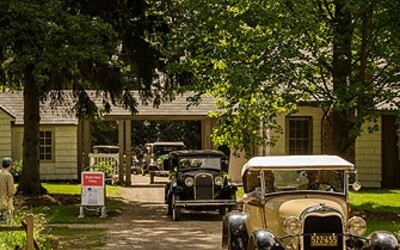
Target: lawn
(383,205)
(55,217)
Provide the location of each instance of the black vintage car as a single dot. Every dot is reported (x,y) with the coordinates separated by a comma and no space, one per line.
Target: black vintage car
(198,181)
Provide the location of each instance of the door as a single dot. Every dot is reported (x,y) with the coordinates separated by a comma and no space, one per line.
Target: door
(390,153)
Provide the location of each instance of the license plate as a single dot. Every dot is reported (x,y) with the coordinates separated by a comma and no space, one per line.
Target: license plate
(324,240)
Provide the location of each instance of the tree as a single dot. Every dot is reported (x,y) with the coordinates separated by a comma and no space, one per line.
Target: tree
(50,46)
(45,49)
(260,58)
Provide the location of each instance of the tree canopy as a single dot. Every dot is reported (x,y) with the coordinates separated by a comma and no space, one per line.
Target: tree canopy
(54,45)
(261,58)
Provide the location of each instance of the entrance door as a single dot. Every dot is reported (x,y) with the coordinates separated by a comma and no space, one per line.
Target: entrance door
(390,153)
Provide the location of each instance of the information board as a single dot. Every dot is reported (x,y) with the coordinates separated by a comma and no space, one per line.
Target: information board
(92,189)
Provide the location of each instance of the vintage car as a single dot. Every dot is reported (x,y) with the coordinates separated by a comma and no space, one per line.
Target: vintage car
(154,153)
(299,202)
(198,181)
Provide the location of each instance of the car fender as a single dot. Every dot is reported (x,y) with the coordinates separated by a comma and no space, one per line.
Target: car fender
(382,240)
(176,189)
(234,233)
(266,240)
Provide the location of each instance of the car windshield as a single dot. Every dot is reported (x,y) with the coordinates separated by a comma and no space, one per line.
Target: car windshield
(200,162)
(288,180)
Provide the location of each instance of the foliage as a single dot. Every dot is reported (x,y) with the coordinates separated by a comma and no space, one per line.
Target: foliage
(106,133)
(262,58)
(8,240)
(17,170)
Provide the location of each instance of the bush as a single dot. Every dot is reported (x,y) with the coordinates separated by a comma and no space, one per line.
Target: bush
(17,170)
(9,240)
(108,169)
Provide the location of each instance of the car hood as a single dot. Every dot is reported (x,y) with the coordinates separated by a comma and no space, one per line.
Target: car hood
(297,206)
(278,208)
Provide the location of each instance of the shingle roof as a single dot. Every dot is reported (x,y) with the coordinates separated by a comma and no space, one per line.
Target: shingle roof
(13,104)
(177,107)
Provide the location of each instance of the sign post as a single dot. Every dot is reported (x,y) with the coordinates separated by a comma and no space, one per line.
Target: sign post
(92,193)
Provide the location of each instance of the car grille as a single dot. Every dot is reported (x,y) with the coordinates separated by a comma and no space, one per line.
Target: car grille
(319,231)
(204,187)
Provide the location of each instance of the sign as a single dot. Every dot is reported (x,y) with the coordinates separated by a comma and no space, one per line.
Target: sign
(92,189)
(93,179)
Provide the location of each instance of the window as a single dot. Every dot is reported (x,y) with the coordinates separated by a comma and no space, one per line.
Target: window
(46,145)
(299,135)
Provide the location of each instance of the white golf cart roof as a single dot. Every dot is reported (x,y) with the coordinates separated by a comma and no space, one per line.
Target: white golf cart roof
(303,162)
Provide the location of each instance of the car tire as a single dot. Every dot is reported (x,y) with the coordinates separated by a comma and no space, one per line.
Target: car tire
(176,211)
(169,207)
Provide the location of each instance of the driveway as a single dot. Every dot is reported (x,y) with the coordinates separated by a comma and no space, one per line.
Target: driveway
(143,223)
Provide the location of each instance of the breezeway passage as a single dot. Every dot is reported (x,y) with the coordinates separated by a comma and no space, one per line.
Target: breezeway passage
(143,223)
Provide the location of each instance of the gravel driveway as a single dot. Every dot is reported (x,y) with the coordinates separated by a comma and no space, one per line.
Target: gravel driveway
(143,223)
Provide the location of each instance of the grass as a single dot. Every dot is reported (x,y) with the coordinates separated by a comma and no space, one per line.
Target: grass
(373,200)
(69,213)
(378,201)
(70,237)
(383,200)
(75,189)
(77,238)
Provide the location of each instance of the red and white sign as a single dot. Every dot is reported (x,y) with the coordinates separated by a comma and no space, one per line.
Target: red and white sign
(93,179)
(92,189)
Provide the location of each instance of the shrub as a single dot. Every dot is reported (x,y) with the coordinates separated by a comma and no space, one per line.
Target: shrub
(17,170)
(9,240)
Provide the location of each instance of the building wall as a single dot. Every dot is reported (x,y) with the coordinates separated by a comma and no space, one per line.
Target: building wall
(65,162)
(316,113)
(368,157)
(17,135)
(5,134)
(64,165)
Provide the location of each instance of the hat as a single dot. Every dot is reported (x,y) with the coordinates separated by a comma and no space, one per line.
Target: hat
(7,161)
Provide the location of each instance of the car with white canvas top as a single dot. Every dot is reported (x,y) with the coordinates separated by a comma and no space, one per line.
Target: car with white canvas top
(299,203)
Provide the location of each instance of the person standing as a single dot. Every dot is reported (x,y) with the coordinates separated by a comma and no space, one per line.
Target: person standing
(7,190)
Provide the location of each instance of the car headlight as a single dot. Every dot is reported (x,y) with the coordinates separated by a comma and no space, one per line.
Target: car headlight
(356,226)
(189,181)
(292,226)
(219,181)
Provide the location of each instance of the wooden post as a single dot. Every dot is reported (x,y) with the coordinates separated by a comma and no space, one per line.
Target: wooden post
(121,144)
(29,232)
(128,150)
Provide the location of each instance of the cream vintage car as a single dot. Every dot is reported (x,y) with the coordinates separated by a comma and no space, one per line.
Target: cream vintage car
(297,203)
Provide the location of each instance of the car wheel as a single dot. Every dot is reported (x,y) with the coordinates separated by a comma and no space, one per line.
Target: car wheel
(169,209)
(176,211)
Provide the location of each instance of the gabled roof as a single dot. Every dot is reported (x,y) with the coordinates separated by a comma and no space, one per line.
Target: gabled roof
(13,103)
(177,109)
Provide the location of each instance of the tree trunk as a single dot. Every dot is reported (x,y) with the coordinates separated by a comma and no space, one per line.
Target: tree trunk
(30,180)
(341,74)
